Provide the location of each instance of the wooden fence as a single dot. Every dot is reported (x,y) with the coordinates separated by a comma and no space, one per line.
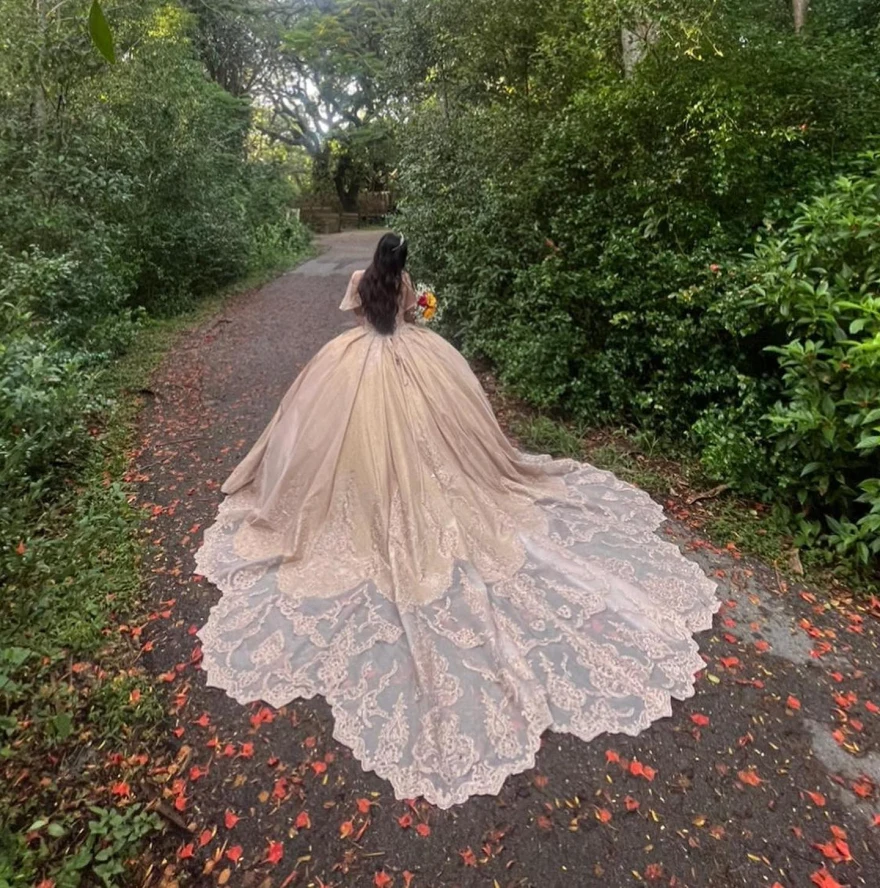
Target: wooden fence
(328,217)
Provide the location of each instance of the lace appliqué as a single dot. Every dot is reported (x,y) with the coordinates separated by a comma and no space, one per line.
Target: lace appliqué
(444,667)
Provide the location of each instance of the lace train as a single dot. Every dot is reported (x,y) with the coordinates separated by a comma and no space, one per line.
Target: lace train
(446,694)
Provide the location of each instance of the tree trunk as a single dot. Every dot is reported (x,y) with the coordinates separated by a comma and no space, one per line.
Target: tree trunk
(635,43)
(39,90)
(800,8)
(348,194)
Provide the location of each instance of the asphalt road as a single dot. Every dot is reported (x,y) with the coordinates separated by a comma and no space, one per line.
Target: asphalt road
(768,775)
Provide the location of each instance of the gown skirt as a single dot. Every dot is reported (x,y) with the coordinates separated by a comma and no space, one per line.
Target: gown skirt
(385,546)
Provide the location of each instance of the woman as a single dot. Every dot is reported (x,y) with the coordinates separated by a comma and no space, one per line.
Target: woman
(384,545)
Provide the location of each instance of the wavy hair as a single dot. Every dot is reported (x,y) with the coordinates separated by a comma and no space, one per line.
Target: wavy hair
(381,283)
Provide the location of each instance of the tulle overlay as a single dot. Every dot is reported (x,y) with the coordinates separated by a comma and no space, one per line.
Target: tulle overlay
(385,546)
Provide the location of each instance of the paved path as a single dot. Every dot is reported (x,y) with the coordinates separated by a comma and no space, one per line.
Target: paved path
(778,748)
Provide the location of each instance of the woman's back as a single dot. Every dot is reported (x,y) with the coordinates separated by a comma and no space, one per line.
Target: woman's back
(352,301)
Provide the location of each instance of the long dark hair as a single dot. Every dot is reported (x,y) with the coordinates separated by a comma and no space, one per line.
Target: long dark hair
(380,285)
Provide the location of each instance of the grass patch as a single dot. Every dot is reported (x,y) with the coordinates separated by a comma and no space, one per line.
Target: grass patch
(81,726)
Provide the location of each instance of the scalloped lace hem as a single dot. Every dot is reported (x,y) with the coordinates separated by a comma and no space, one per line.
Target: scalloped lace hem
(590,633)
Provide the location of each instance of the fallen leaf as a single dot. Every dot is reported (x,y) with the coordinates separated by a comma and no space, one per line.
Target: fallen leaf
(823,879)
(830,850)
(262,716)
(750,777)
(637,769)
(843,850)
(845,701)
(468,857)
(863,788)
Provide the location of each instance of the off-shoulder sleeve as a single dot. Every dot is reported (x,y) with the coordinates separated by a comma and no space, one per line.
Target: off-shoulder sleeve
(352,299)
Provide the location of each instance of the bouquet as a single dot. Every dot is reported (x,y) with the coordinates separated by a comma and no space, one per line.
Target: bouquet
(426,303)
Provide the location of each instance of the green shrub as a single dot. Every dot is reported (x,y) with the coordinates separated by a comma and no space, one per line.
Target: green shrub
(125,191)
(819,281)
(584,229)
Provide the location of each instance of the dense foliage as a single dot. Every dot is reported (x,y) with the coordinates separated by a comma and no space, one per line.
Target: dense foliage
(332,95)
(122,189)
(127,190)
(591,223)
(319,69)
